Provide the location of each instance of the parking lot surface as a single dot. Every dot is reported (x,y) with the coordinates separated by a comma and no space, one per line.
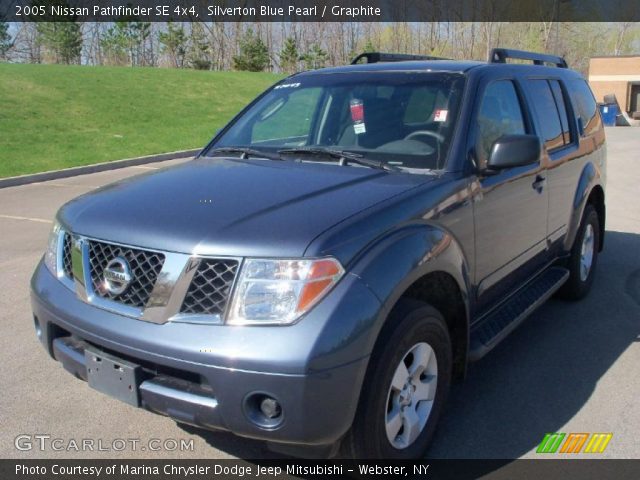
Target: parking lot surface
(571,367)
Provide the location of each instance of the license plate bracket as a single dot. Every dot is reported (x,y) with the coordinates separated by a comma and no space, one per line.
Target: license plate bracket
(113,376)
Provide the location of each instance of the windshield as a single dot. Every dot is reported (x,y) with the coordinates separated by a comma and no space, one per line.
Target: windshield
(404,119)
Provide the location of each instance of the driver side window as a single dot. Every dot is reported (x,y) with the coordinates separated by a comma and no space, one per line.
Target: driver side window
(500,114)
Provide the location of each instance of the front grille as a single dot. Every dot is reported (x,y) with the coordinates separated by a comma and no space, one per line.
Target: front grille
(145,267)
(66,255)
(210,287)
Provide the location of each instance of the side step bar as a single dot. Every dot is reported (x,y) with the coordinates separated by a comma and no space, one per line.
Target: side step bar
(496,325)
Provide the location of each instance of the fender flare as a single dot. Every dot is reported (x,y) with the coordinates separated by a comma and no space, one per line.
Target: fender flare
(590,178)
(394,263)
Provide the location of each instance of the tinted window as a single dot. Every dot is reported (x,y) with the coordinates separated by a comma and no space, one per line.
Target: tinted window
(561,104)
(500,114)
(585,105)
(544,105)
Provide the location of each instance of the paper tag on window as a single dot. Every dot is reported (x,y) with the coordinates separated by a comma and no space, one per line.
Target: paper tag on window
(440,115)
(359,128)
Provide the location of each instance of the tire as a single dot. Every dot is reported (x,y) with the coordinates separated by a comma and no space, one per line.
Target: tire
(579,282)
(412,325)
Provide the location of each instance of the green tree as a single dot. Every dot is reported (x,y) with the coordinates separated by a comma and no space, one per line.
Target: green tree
(289,55)
(174,42)
(316,57)
(254,55)
(126,42)
(63,40)
(114,46)
(198,54)
(369,47)
(5,40)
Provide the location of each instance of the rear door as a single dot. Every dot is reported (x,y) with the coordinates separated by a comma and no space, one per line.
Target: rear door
(554,118)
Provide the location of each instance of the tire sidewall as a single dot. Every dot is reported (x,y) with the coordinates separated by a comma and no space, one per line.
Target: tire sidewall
(424,324)
(582,287)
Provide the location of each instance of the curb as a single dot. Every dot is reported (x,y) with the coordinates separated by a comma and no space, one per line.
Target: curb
(96,167)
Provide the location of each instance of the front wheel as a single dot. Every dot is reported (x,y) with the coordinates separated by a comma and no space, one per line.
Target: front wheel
(405,388)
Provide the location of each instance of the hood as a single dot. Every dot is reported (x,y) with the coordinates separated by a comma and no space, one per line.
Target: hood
(224,206)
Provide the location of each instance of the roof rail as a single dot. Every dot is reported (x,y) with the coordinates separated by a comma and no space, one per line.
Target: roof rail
(376,57)
(500,55)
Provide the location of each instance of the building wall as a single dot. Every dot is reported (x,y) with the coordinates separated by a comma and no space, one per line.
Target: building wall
(614,75)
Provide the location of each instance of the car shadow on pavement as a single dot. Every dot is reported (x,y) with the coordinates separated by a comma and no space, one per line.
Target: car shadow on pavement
(537,379)
(233,445)
(542,375)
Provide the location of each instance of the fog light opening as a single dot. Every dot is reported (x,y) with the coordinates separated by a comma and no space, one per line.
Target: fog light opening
(263,410)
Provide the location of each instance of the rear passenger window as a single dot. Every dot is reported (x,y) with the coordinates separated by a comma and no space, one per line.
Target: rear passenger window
(546,110)
(585,105)
(500,114)
(561,104)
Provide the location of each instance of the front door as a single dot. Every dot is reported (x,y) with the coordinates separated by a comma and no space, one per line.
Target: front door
(510,206)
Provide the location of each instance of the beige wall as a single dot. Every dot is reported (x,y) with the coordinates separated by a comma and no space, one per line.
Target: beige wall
(614,75)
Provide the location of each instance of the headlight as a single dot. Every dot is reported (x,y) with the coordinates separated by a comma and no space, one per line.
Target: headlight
(51,255)
(281,291)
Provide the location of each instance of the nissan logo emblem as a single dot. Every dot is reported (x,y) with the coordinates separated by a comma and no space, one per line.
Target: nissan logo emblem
(117,276)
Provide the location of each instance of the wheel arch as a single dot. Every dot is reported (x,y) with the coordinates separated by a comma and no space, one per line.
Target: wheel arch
(429,266)
(589,190)
(440,290)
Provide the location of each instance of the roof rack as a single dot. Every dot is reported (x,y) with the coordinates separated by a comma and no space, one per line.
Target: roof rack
(377,57)
(500,55)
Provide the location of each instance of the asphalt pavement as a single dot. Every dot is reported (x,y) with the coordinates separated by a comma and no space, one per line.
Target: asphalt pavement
(571,367)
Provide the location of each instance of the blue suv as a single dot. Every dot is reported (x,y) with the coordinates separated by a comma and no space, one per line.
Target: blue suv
(332,260)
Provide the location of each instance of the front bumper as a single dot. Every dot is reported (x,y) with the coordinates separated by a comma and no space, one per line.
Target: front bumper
(204,374)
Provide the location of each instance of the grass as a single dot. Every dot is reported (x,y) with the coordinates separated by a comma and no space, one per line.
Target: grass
(54,116)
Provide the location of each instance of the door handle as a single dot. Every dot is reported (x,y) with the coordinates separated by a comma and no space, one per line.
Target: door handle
(539,183)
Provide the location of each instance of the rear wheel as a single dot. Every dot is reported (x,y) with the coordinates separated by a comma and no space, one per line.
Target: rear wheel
(406,386)
(584,257)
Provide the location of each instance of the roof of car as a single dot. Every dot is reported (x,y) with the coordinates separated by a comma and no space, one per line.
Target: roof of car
(417,65)
(456,66)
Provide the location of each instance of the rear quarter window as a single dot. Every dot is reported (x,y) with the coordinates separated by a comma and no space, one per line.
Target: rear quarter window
(585,105)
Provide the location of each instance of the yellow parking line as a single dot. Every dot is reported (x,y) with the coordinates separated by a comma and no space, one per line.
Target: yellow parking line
(15,217)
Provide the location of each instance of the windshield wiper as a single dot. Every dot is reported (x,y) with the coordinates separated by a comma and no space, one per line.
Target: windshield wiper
(344,158)
(246,152)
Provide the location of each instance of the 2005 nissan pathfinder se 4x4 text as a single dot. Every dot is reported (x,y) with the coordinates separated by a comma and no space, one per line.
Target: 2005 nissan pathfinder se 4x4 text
(332,260)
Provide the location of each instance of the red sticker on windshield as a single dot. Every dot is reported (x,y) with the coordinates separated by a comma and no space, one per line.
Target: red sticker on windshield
(357,110)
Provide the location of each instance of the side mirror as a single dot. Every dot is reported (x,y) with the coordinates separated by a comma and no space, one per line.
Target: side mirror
(511,151)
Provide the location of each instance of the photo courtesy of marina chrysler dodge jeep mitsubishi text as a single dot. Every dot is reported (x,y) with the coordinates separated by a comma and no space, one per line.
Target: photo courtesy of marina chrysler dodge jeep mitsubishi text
(328,265)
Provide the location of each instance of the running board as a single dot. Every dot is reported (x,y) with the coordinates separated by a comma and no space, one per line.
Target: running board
(493,328)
